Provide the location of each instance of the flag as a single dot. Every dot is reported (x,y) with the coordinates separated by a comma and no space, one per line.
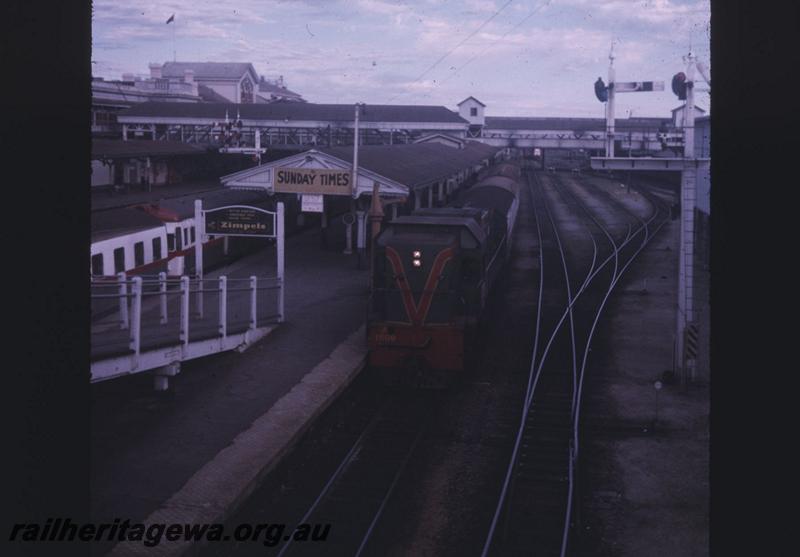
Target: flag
(171,18)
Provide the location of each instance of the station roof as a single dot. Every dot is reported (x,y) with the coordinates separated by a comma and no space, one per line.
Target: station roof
(474,99)
(208,70)
(397,169)
(118,149)
(295,111)
(209,95)
(571,124)
(179,208)
(117,222)
(415,164)
(266,87)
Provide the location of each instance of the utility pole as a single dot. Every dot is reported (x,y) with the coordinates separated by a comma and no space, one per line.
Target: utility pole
(688,201)
(610,105)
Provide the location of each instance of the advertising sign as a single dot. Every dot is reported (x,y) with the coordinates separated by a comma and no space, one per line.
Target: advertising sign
(326,181)
(312,203)
(240,220)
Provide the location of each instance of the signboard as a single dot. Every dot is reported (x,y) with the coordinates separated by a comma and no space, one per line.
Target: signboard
(240,220)
(635,86)
(327,181)
(312,203)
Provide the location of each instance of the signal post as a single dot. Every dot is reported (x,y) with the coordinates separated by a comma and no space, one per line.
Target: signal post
(683,87)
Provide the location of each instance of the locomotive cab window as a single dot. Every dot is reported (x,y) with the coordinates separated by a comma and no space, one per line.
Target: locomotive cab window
(97,264)
(178,238)
(119,260)
(192,234)
(170,242)
(138,254)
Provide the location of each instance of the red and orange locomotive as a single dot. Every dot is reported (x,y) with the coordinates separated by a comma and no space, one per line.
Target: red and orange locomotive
(433,272)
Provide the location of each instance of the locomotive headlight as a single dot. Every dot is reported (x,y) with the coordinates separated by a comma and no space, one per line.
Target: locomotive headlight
(417,254)
(417,261)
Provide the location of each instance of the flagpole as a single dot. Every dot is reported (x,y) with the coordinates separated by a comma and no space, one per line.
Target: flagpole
(174,57)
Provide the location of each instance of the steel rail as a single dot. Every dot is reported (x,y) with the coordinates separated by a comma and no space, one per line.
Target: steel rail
(615,279)
(354,452)
(532,388)
(579,381)
(509,473)
(533,378)
(348,458)
(386,497)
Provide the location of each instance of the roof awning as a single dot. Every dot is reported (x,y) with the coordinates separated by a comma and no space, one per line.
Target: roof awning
(307,165)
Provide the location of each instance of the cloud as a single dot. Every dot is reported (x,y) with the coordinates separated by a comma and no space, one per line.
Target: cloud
(653,12)
(372,50)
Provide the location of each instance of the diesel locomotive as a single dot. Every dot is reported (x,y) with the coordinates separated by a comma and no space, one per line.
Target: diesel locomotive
(433,271)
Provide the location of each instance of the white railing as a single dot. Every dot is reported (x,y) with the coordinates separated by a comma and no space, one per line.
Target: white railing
(130,293)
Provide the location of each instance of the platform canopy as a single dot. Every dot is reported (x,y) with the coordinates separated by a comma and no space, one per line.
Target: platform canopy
(313,172)
(398,169)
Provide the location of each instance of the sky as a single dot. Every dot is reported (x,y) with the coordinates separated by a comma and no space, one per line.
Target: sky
(518,57)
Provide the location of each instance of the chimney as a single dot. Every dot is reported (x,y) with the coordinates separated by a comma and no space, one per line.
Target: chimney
(155,70)
(188,77)
(280,82)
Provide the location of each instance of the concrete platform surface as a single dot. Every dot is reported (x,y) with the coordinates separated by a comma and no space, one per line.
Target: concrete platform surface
(191,454)
(215,490)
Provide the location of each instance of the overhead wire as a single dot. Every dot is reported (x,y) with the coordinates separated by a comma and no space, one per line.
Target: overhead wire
(520,23)
(449,52)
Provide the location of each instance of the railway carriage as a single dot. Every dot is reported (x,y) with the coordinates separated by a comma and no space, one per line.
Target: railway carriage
(432,275)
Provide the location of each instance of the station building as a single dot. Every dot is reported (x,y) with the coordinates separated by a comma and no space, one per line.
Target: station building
(288,125)
(182,82)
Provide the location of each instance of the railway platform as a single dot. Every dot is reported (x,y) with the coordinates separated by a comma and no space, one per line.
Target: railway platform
(190,455)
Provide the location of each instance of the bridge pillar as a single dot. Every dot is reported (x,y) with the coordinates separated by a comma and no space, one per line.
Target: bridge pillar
(162,374)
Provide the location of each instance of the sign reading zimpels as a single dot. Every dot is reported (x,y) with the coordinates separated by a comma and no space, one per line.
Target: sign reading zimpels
(327,181)
(240,220)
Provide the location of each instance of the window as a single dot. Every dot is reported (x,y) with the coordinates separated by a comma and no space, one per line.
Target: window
(186,236)
(473,111)
(170,242)
(119,260)
(97,264)
(178,238)
(247,91)
(192,235)
(138,254)
(156,249)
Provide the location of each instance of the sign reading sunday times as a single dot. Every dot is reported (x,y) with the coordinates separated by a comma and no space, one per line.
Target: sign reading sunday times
(240,220)
(326,181)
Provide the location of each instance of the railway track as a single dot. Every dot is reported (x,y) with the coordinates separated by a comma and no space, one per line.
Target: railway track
(362,492)
(355,494)
(534,511)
